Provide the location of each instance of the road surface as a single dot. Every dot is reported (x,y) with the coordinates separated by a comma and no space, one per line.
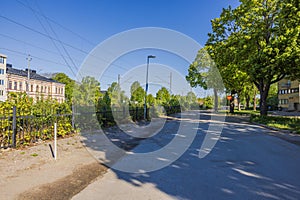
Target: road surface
(246,163)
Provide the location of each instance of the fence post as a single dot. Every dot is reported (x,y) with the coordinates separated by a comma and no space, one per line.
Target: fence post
(14,127)
(55,141)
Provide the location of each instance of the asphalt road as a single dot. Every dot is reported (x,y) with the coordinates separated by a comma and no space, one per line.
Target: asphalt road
(245,163)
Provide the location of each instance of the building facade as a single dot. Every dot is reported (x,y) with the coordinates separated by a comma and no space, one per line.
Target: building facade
(3,83)
(35,85)
(288,95)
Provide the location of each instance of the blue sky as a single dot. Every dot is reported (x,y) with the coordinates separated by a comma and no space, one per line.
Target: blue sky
(90,23)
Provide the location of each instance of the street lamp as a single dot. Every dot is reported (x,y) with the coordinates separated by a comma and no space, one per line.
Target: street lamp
(145,105)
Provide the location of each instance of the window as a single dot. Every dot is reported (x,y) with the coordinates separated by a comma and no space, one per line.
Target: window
(55,90)
(10,85)
(62,90)
(37,88)
(2,60)
(1,71)
(49,90)
(15,85)
(1,82)
(45,89)
(31,89)
(42,89)
(1,92)
(20,85)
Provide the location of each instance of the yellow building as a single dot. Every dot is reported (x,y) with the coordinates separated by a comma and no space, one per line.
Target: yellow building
(16,80)
(288,95)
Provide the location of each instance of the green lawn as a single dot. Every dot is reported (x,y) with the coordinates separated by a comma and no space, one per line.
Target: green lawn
(280,122)
(286,123)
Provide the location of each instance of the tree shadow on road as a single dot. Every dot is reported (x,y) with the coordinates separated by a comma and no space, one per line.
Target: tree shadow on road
(244,164)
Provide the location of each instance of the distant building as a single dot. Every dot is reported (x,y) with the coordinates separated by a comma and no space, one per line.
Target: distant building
(3,84)
(16,80)
(288,95)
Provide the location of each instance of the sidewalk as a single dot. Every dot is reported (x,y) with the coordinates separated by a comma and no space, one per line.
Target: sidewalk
(32,173)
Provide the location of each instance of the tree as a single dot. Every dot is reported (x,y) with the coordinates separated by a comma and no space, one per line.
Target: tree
(204,73)
(137,93)
(69,86)
(150,99)
(87,92)
(272,100)
(163,96)
(260,38)
(117,96)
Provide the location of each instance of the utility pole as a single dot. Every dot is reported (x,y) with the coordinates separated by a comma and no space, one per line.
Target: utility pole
(28,73)
(119,78)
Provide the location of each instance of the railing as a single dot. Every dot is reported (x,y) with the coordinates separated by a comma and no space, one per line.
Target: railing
(17,129)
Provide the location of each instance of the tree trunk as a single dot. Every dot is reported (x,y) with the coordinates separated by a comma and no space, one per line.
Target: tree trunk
(264,91)
(239,103)
(247,101)
(254,101)
(216,102)
(231,104)
(263,103)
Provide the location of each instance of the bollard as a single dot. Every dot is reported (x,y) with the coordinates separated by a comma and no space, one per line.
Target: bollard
(55,141)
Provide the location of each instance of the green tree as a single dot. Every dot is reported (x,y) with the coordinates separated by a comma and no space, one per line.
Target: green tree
(204,73)
(137,93)
(150,99)
(272,100)
(69,86)
(87,93)
(117,96)
(260,38)
(163,96)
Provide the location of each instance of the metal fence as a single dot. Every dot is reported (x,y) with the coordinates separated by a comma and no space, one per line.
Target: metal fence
(17,129)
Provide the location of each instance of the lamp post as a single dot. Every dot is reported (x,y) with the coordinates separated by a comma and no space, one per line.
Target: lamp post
(145,105)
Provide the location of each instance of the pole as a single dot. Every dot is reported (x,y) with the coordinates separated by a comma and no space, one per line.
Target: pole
(14,127)
(55,141)
(145,104)
(119,78)
(28,73)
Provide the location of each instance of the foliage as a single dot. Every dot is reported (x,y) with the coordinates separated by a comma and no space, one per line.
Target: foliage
(259,38)
(163,96)
(137,93)
(87,92)
(34,120)
(204,73)
(69,86)
(286,123)
(272,100)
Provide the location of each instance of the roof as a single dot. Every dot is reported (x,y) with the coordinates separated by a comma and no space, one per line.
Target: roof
(2,55)
(33,74)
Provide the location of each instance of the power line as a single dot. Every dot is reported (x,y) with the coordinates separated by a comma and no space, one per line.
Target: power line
(53,21)
(53,41)
(58,24)
(36,57)
(66,44)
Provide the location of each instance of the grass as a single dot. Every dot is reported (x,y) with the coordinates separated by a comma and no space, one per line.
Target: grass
(34,155)
(279,122)
(242,112)
(285,123)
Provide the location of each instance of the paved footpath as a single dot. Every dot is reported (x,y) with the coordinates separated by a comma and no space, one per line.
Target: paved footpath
(246,163)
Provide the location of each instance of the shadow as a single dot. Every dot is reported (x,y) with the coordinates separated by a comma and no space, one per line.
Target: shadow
(246,163)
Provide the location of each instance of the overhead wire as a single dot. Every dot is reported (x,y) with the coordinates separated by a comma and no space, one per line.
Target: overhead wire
(63,27)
